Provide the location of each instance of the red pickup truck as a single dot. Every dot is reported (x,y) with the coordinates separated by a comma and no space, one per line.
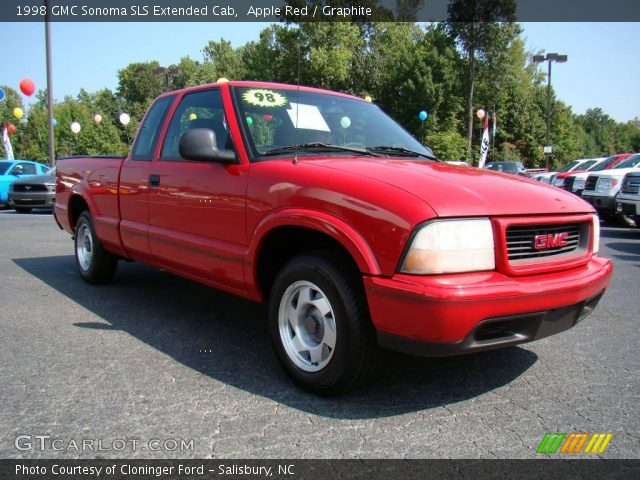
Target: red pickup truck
(353,232)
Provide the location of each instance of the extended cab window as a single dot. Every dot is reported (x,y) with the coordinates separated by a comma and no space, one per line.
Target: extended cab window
(196,110)
(148,134)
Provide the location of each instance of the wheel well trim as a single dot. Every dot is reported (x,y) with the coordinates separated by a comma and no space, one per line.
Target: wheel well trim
(332,226)
(77,193)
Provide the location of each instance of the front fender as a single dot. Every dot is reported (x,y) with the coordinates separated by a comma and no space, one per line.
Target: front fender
(330,225)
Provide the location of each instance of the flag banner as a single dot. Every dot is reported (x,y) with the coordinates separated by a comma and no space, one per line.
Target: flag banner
(493,132)
(484,147)
(6,142)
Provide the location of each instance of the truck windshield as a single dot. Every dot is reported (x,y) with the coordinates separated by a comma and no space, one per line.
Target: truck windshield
(630,162)
(280,121)
(569,167)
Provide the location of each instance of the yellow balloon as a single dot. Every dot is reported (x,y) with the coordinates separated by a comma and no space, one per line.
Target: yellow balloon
(368,99)
(193,116)
(222,80)
(18,113)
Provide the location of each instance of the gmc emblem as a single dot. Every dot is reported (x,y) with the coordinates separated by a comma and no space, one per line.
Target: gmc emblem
(549,241)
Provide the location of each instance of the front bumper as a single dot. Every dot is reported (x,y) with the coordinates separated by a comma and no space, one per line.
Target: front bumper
(628,205)
(604,205)
(463,313)
(32,199)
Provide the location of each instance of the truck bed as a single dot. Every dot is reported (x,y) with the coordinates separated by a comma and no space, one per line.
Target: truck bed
(95,178)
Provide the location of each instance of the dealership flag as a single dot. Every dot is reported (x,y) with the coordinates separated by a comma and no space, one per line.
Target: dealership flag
(493,132)
(484,148)
(6,141)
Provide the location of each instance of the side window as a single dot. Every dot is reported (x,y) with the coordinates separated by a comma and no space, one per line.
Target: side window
(25,169)
(150,129)
(196,110)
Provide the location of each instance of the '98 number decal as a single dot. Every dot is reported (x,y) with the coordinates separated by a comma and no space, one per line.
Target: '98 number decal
(261,97)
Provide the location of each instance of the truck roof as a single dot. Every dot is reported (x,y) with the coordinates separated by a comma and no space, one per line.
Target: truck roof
(258,84)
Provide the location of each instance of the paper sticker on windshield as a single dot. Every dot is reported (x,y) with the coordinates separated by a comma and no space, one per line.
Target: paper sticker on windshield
(260,97)
(307,117)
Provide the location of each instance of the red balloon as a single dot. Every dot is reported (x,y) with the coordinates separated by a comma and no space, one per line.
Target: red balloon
(12,128)
(267,117)
(27,86)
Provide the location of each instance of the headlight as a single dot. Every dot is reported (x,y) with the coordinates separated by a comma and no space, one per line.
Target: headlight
(450,246)
(11,187)
(558,182)
(51,187)
(605,183)
(578,184)
(596,233)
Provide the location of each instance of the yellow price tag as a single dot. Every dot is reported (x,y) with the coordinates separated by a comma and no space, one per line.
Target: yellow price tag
(264,98)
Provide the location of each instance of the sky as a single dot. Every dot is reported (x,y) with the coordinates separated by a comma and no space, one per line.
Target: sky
(602,68)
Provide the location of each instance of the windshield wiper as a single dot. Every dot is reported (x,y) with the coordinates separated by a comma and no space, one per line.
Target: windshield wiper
(320,147)
(405,152)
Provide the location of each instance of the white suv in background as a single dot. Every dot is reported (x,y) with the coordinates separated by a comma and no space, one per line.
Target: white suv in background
(628,200)
(600,189)
(574,182)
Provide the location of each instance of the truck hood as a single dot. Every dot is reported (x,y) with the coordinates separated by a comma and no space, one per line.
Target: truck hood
(615,172)
(462,191)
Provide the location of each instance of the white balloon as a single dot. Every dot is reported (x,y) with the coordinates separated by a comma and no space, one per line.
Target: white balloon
(345,122)
(125,119)
(75,127)
(480,113)
(97,118)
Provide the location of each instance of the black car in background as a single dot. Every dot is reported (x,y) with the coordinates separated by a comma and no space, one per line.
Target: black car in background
(513,167)
(38,191)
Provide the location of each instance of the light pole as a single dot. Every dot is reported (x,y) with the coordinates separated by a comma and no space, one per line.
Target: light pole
(550,57)
(47,40)
(168,74)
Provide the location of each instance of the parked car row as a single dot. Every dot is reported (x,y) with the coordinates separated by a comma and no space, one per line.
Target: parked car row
(25,185)
(601,183)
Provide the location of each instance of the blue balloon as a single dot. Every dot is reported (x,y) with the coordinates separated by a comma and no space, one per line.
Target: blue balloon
(422,115)
(54,122)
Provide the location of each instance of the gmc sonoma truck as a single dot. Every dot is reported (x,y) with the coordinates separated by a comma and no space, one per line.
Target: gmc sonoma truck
(353,232)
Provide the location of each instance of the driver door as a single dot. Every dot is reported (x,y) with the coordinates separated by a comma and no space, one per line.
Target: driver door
(197,208)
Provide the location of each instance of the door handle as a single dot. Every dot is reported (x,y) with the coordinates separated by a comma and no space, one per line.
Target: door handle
(154,180)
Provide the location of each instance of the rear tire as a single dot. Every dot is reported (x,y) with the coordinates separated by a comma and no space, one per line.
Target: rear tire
(22,209)
(320,325)
(95,264)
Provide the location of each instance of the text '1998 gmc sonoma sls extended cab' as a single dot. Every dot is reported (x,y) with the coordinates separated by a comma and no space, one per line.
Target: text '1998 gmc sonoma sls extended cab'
(357,237)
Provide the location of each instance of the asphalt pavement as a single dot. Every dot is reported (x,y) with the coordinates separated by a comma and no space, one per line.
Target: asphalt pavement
(154,366)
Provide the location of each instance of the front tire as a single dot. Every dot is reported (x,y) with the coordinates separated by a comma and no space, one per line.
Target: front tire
(95,264)
(320,325)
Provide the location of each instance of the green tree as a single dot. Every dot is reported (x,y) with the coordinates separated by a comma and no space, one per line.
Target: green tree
(482,29)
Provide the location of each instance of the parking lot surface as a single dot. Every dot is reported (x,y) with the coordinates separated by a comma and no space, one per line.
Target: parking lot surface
(154,366)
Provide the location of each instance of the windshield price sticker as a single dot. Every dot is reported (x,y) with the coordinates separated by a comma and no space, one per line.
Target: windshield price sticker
(260,97)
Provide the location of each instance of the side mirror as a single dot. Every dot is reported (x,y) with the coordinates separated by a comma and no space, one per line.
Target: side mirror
(201,144)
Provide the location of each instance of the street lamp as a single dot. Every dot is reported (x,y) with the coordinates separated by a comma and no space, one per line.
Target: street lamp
(550,57)
(168,74)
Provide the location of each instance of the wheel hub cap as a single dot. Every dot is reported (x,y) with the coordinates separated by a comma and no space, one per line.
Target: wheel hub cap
(307,326)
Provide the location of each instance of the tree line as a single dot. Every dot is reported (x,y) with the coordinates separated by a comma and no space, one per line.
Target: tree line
(449,69)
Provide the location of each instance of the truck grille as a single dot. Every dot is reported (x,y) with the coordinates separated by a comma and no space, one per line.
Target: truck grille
(521,240)
(568,183)
(17,187)
(631,185)
(590,184)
